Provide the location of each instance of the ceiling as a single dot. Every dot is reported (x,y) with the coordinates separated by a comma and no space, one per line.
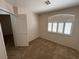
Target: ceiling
(39,6)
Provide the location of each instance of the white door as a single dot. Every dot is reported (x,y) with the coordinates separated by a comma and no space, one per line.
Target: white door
(19,30)
(3,54)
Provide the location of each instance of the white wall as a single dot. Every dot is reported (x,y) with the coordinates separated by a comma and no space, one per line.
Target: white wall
(24,17)
(3,54)
(32,26)
(19,29)
(32,23)
(71,41)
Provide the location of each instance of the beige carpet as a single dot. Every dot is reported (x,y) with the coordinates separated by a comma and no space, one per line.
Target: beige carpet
(42,49)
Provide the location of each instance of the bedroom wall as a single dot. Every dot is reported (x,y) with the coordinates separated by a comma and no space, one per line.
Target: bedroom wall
(70,41)
(32,23)
(32,26)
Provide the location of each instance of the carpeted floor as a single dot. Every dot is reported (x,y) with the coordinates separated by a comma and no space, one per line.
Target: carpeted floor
(42,49)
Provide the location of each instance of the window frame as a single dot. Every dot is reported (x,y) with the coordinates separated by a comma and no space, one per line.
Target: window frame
(62,18)
(63,29)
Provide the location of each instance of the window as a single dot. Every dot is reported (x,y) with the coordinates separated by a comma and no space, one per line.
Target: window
(60,27)
(67,29)
(61,23)
(54,27)
(49,27)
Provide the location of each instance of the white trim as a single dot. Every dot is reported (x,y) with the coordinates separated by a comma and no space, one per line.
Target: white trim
(6,11)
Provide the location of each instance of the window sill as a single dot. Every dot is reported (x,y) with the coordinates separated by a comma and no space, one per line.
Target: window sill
(61,34)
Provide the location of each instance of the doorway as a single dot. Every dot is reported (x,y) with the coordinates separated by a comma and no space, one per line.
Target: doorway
(5,21)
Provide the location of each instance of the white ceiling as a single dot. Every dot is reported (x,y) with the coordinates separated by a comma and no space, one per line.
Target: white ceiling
(39,6)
